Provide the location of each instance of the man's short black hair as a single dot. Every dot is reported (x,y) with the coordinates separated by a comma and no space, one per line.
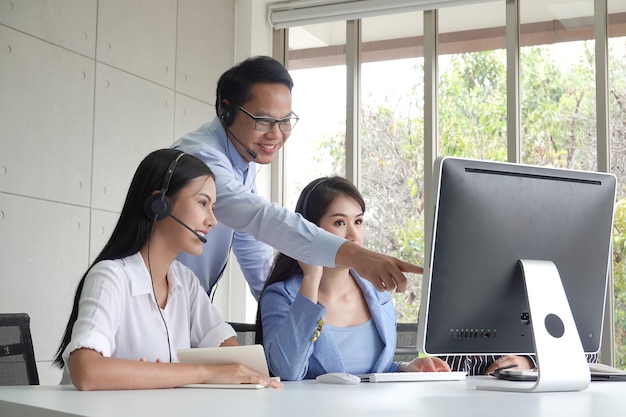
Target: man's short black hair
(234,85)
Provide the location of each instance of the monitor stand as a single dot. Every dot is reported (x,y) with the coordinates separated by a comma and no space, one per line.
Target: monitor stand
(561,361)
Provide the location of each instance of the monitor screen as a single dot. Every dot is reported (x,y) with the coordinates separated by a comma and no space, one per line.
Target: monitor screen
(489,216)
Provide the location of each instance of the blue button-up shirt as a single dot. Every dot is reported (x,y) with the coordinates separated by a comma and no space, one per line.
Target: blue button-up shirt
(247,222)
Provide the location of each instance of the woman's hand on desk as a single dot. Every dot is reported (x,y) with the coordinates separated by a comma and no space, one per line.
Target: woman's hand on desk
(237,374)
(510,361)
(90,370)
(158,360)
(424,365)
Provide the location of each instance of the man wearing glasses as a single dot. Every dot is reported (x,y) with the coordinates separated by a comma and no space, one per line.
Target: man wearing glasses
(254,119)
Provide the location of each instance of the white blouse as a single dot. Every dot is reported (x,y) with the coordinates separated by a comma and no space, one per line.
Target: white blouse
(118,315)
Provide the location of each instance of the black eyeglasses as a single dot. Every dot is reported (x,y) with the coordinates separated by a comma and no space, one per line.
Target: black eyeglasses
(265,124)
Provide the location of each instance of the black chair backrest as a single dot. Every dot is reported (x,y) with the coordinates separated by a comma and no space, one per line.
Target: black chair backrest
(246,332)
(17,357)
(406,346)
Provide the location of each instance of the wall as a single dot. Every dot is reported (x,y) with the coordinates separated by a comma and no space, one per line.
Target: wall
(87,89)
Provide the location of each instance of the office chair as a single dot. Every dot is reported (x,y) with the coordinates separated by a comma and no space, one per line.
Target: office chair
(17,357)
(406,346)
(246,332)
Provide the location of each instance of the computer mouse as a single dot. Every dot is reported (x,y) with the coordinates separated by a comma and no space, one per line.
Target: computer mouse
(340,378)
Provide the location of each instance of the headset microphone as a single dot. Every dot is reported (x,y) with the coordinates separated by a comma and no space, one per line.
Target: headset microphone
(158,208)
(202,238)
(250,151)
(227,116)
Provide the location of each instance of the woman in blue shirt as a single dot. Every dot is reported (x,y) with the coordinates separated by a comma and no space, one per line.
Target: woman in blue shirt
(315,320)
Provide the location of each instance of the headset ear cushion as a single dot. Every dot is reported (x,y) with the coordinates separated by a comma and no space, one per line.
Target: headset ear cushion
(156,207)
(226,115)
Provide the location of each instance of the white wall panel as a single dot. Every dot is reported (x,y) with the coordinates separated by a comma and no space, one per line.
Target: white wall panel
(139,36)
(191,114)
(87,89)
(46,119)
(48,374)
(68,23)
(205,49)
(133,118)
(102,225)
(254,35)
(44,253)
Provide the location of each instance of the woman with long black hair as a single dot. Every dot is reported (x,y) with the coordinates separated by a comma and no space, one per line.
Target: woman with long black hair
(135,306)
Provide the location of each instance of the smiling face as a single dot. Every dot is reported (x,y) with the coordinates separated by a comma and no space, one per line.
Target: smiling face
(344,218)
(266,100)
(193,205)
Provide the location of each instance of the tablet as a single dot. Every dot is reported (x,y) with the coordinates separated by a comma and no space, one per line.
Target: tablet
(252,356)
(223,386)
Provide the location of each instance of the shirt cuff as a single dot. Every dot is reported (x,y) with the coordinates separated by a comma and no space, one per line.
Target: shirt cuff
(325,248)
(217,335)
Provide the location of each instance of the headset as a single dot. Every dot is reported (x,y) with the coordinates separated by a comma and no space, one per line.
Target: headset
(305,202)
(157,206)
(226,114)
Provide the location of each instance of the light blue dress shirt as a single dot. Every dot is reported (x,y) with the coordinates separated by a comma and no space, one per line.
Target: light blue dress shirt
(246,220)
(290,321)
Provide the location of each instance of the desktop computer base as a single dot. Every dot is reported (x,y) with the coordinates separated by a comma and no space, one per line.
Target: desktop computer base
(561,361)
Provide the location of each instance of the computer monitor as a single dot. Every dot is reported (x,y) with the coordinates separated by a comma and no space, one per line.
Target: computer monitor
(496,226)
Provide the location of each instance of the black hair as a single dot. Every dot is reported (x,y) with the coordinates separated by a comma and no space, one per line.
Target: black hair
(234,85)
(134,226)
(312,204)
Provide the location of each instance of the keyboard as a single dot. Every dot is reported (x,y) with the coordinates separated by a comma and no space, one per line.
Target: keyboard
(414,376)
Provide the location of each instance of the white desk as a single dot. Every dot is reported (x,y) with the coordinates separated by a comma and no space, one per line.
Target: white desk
(303,399)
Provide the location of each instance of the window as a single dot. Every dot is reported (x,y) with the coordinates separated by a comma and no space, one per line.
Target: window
(316,146)
(392,144)
(557,84)
(558,121)
(472,82)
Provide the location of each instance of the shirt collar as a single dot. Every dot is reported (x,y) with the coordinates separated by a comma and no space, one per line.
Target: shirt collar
(229,149)
(140,280)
